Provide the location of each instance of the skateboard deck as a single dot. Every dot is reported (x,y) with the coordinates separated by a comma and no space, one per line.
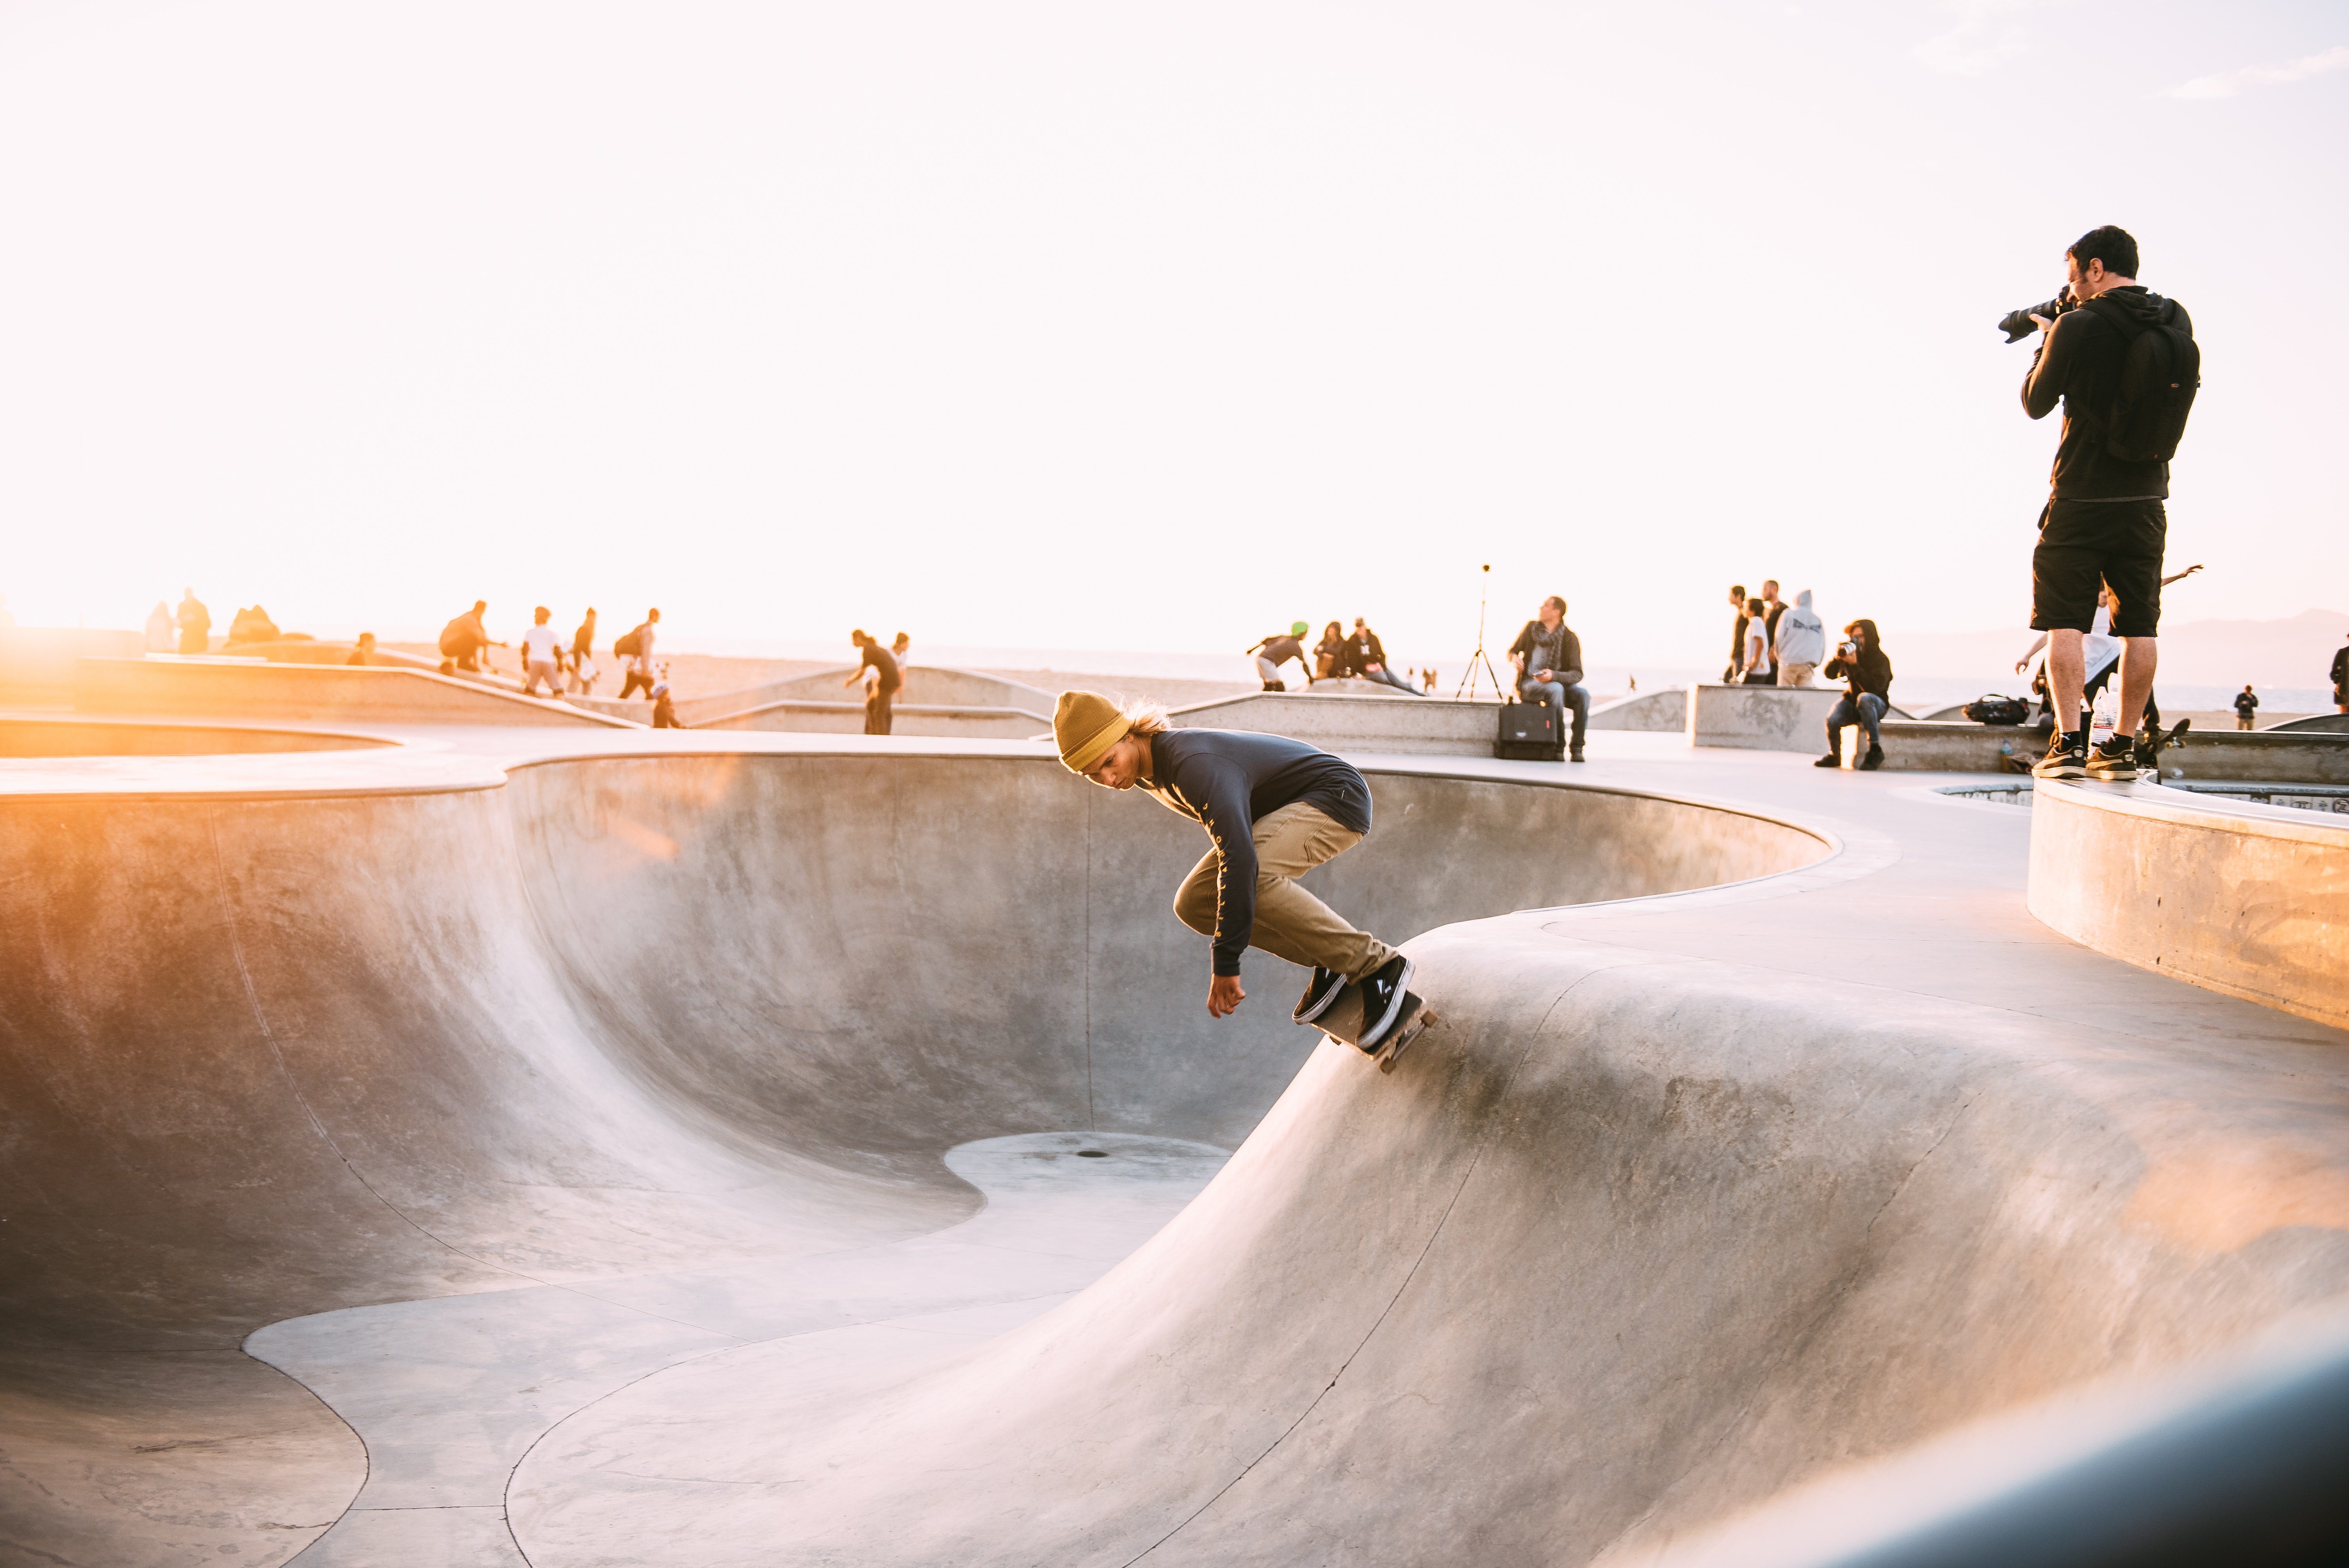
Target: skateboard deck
(2150,747)
(1343,1023)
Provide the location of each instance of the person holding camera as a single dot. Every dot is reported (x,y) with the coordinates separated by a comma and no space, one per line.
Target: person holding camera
(1867,694)
(2121,359)
(1548,660)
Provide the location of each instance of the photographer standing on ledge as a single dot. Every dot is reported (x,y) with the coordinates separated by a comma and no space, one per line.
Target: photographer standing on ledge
(2122,361)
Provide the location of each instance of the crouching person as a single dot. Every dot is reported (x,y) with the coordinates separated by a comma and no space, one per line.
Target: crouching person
(1867,674)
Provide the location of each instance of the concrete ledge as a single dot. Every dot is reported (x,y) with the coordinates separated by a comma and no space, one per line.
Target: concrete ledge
(1656,712)
(2262,756)
(1763,718)
(2247,901)
(926,685)
(254,689)
(1413,726)
(1919,746)
(37,663)
(146,737)
(809,718)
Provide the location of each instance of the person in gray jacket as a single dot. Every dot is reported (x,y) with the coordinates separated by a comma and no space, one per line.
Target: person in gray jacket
(1802,642)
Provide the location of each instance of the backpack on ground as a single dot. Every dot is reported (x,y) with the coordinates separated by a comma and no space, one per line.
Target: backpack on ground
(2162,369)
(1529,734)
(626,645)
(1995,709)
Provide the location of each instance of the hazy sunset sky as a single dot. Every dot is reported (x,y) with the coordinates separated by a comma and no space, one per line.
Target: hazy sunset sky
(1135,326)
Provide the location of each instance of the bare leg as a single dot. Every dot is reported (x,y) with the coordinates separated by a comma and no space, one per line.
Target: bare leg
(2139,657)
(2067,672)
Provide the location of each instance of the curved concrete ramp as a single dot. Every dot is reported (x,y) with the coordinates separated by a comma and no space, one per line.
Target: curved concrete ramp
(285,1054)
(1629,1243)
(1689,1199)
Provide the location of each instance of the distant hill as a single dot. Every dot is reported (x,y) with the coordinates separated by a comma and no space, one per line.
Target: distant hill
(2291,652)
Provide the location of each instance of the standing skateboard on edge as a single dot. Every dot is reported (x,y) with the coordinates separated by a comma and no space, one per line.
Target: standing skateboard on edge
(1343,1023)
(2152,744)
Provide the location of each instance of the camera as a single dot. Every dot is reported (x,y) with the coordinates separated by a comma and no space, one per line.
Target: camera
(2017,324)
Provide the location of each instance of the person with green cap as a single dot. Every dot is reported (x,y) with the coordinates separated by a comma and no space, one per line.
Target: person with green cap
(1274,809)
(1276,650)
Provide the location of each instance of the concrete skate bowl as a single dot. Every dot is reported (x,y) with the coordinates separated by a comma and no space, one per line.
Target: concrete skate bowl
(1631,1241)
(29,737)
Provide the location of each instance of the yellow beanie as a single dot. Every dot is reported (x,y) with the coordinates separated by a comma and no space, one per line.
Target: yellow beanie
(1085,725)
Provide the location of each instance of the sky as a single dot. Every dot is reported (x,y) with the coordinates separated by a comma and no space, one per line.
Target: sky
(1123,326)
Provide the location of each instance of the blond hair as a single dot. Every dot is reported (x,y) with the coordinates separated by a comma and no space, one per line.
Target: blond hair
(1145,716)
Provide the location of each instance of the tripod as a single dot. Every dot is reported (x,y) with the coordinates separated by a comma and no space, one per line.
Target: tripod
(1468,682)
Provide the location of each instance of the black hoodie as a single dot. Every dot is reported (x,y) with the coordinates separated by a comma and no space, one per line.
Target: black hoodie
(1868,671)
(2080,363)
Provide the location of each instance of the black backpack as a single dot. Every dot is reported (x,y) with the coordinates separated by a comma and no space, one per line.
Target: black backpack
(626,645)
(1995,709)
(2162,369)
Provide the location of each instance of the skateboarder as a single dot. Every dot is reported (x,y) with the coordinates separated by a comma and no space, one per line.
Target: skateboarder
(1275,808)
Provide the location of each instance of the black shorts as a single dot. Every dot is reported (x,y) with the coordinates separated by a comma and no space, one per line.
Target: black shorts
(2085,543)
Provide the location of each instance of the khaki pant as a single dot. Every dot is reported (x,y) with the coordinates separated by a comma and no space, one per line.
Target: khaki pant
(1290,923)
(1795,675)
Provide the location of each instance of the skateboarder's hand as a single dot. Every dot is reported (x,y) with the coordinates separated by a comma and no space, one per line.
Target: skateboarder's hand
(1225,995)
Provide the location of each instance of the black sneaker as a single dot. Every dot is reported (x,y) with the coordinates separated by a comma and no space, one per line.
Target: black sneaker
(1382,994)
(2067,757)
(1873,761)
(1319,992)
(1575,755)
(1831,759)
(2115,760)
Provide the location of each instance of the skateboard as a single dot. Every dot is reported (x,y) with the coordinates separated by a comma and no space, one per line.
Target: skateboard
(1343,1024)
(2150,746)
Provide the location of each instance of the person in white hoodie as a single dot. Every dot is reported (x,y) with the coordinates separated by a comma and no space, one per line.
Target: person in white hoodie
(1802,642)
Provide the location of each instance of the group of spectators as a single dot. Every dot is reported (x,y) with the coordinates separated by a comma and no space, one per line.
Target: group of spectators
(561,667)
(1339,656)
(1772,642)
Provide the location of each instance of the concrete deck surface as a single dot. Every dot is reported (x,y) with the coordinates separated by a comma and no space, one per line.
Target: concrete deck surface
(664,1152)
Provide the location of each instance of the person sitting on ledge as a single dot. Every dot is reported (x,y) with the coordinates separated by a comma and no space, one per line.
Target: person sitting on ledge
(1547,657)
(1330,653)
(1868,694)
(1367,659)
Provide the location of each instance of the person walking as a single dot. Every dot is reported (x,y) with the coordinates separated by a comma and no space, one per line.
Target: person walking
(1274,809)
(1368,658)
(2105,523)
(1868,694)
(1547,657)
(1737,601)
(2247,708)
(635,650)
(583,655)
(1799,642)
(1276,650)
(542,655)
(1757,667)
(195,624)
(884,691)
